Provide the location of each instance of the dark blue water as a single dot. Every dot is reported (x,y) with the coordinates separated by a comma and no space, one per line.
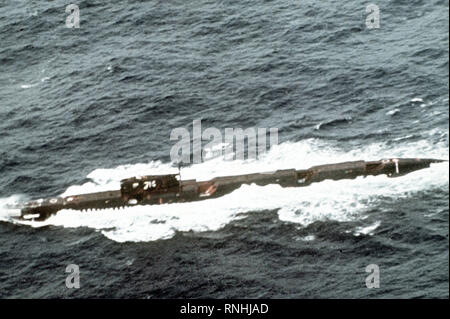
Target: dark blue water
(82,108)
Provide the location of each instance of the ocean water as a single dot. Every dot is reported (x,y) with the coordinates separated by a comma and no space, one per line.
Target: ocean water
(80,109)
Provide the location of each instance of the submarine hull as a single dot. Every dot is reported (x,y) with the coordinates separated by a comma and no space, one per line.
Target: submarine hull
(166,189)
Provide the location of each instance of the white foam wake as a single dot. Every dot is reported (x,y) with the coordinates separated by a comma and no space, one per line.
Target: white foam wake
(10,207)
(344,200)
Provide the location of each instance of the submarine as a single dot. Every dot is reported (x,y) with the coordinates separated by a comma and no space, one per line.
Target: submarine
(166,189)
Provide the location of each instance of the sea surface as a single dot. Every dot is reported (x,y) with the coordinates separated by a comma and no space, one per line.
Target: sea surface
(82,108)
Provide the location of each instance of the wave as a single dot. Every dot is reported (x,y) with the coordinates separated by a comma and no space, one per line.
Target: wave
(346,200)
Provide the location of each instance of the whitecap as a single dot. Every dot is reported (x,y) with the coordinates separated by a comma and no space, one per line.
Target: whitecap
(344,200)
(27,86)
(393,112)
(367,230)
